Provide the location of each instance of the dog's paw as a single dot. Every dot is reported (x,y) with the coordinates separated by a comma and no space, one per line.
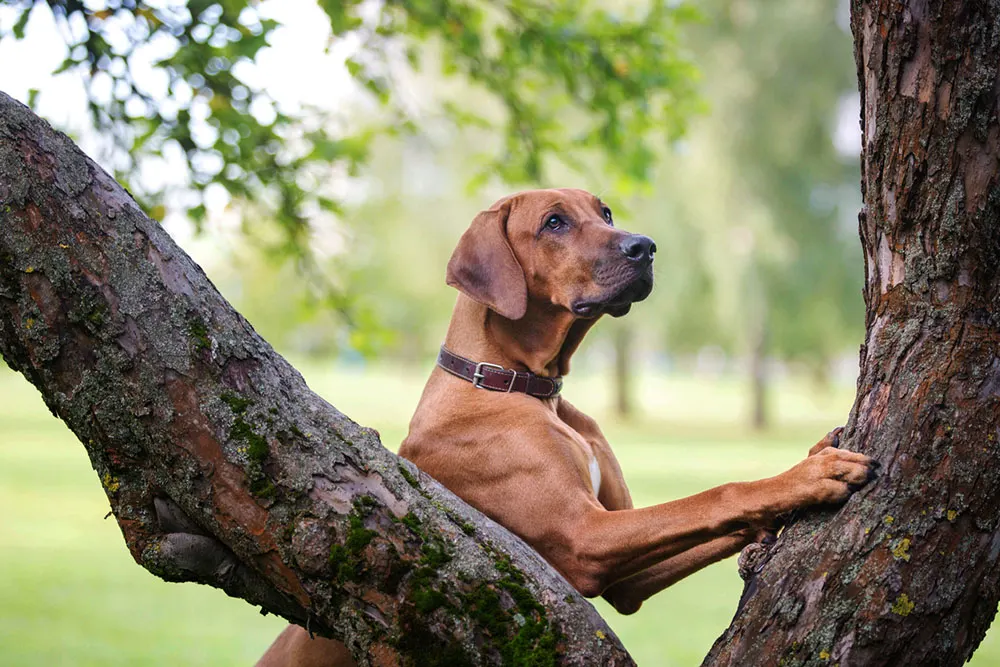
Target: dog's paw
(828,477)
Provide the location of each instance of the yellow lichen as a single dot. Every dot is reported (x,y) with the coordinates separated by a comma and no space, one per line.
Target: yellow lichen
(902,606)
(111,483)
(888,520)
(601,635)
(951,515)
(901,550)
(824,655)
(30,322)
(30,269)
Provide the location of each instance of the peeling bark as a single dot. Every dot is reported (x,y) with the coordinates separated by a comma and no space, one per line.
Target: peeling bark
(907,572)
(222,467)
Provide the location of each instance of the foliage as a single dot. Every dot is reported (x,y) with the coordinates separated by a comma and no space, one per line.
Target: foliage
(618,73)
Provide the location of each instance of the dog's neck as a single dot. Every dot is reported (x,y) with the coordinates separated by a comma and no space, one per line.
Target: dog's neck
(541,342)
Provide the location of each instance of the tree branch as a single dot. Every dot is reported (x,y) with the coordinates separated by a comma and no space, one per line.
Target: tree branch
(222,467)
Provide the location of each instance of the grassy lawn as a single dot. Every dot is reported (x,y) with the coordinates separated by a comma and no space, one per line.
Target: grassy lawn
(71,594)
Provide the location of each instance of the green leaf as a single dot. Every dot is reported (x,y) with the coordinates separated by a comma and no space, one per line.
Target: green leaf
(22,21)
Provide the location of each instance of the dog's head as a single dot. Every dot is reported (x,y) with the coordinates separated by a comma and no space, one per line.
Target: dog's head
(552,246)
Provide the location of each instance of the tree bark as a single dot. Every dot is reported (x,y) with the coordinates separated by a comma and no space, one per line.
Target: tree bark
(907,572)
(222,467)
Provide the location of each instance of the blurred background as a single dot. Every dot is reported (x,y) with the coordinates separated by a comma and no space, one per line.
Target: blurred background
(320,160)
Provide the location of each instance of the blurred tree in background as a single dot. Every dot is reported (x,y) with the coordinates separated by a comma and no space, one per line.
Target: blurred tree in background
(761,255)
(338,219)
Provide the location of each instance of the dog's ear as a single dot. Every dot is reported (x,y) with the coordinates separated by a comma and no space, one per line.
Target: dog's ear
(484,267)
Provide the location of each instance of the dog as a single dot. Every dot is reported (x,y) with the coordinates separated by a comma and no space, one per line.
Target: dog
(534,273)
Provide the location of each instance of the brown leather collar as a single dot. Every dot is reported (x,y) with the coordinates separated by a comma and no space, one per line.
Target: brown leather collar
(496,378)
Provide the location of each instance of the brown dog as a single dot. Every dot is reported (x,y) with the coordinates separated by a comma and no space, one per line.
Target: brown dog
(535,271)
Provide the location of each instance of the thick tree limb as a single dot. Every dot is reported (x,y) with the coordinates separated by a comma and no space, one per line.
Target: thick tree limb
(221,465)
(908,572)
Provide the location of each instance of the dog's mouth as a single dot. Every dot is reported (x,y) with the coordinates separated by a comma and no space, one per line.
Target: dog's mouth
(619,303)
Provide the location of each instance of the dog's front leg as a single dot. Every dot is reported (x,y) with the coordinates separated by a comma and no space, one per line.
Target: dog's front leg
(605,547)
(627,595)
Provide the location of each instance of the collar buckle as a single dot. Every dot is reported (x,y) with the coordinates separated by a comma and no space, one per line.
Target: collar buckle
(478,377)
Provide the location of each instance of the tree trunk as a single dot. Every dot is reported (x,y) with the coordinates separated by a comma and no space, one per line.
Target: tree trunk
(758,378)
(222,467)
(907,572)
(623,370)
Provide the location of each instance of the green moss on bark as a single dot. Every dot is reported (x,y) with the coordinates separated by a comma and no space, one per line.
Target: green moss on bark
(238,404)
(408,476)
(199,333)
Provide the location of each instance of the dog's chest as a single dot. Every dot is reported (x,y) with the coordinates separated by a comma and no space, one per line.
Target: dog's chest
(589,459)
(595,475)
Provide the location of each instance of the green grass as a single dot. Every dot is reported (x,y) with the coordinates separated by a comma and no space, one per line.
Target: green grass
(70,594)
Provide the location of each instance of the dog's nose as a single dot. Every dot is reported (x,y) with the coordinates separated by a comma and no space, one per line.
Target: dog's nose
(638,248)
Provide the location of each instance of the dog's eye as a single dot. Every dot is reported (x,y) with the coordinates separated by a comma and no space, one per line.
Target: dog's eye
(607,216)
(554,222)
